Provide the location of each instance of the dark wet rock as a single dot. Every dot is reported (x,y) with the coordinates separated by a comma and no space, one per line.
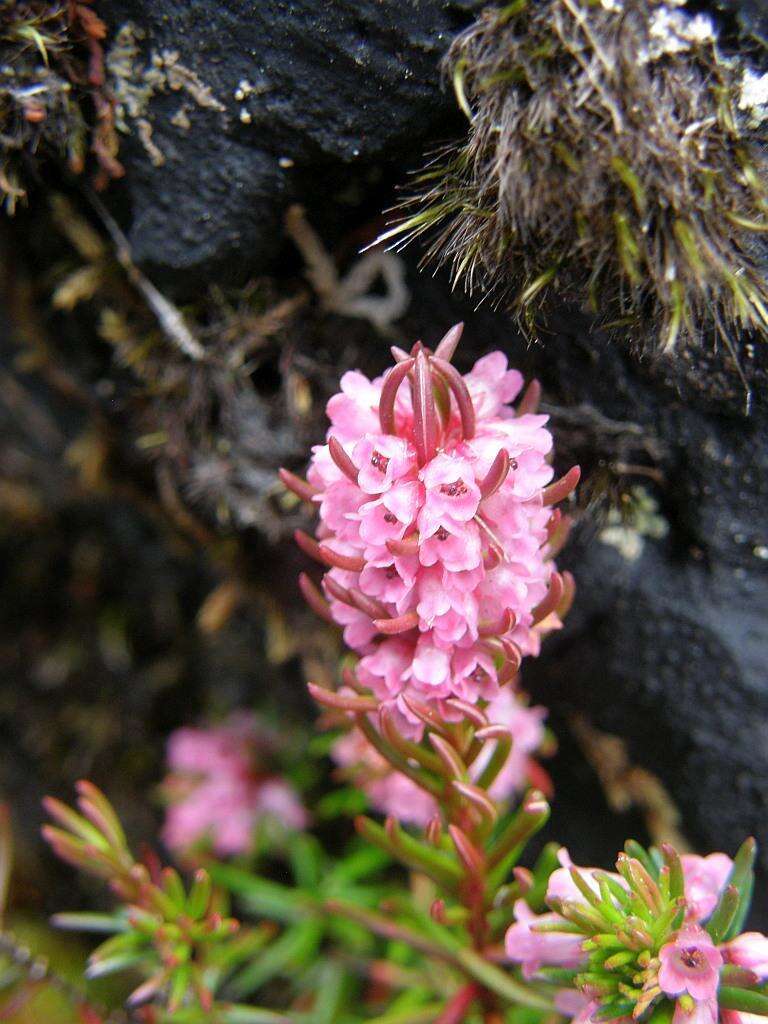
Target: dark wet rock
(751,16)
(309,96)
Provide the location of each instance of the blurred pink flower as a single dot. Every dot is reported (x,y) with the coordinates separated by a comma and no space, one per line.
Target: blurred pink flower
(534,949)
(704,881)
(701,1011)
(391,792)
(217,791)
(749,950)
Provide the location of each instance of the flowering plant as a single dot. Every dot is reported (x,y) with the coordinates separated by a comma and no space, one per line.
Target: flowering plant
(437,537)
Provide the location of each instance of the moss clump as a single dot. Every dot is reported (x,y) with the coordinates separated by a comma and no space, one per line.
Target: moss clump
(614,158)
(53,97)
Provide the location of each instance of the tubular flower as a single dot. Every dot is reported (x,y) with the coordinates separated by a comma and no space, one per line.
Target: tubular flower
(217,790)
(638,941)
(690,963)
(436,528)
(391,792)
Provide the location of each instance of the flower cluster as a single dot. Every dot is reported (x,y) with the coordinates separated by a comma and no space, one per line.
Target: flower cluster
(217,790)
(391,792)
(437,528)
(663,931)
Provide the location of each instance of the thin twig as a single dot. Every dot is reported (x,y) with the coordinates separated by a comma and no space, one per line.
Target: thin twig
(168,316)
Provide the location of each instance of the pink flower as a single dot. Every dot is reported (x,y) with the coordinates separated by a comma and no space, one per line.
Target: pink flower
(380,460)
(534,949)
(526,724)
(457,547)
(561,885)
(439,524)
(492,386)
(749,950)
(690,963)
(217,792)
(451,492)
(705,878)
(700,1011)
(739,1017)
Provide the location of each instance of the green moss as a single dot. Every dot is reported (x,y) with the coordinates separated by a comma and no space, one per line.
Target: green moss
(610,158)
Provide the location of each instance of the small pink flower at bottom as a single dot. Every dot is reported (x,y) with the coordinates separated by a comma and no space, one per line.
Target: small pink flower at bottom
(581,1007)
(534,949)
(217,790)
(739,1017)
(748,950)
(695,1011)
(690,963)
(704,878)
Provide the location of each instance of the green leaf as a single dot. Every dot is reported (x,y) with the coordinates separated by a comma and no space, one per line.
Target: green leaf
(235,1014)
(723,914)
(350,935)
(360,863)
(180,983)
(262,896)
(502,983)
(403,847)
(743,999)
(290,952)
(306,856)
(344,802)
(111,965)
(507,848)
(333,983)
(86,922)
(422,1015)
(633,849)
(546,863)
(199,895)
(742,876)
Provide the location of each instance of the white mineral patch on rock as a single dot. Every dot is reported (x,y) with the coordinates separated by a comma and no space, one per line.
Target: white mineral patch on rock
(754,97)
(627,532)
(676,31)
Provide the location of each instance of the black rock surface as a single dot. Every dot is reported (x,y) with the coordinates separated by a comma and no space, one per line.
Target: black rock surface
(329,90)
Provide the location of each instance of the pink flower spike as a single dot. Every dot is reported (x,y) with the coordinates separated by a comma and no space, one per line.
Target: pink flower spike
(749,950)
(218,790)
(342,460)
(496,475)
(448,343)
(461,393)
(690,963)
(392,382)
(424,415)
(451,493)
(436,527)
(380,460)
(529,403)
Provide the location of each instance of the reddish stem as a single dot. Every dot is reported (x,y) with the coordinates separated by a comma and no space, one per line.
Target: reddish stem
(459,1005)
